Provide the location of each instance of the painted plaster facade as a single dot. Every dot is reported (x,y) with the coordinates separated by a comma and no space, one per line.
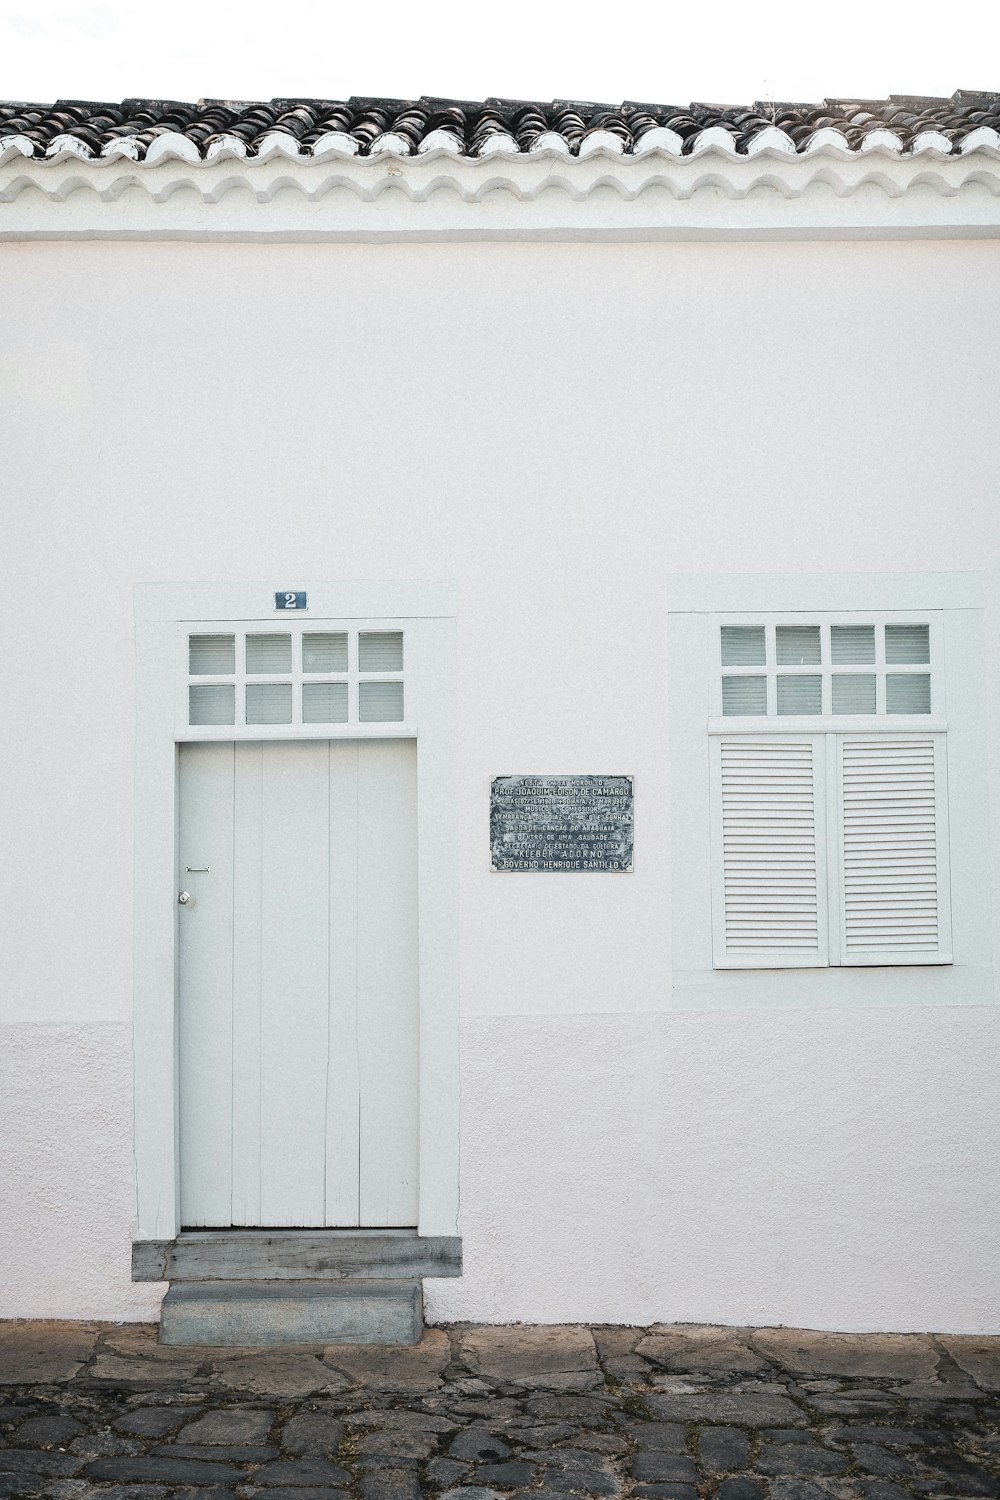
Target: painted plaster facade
(559,422)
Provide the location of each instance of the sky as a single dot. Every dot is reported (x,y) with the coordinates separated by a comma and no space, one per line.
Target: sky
(715,51)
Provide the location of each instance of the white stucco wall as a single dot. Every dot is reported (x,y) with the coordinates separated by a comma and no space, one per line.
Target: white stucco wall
(832,1170)
(558,427)
(66,1128)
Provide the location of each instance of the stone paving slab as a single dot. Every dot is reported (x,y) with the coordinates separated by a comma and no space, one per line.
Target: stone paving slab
(978,1357)
(99,1412)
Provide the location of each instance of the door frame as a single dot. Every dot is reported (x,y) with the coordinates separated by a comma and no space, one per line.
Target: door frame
(427,612)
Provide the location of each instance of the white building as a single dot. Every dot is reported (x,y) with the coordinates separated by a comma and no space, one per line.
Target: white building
(634,443)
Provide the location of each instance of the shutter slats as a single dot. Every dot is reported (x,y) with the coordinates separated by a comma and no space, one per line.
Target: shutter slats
(770,891)
(890,840)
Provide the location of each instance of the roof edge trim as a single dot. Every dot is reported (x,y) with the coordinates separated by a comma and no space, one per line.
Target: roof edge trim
(437,194)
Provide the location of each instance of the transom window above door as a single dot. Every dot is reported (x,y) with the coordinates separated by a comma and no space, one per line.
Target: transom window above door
(874,667)
(294,677)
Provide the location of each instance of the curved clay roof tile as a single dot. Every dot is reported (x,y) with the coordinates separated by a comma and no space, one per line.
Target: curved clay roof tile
(490,123)
(570,124)
(366,132)
(411,123)
(448,119)
(614,125)
(471,125)
(744,138)
(290,124)
(529,125)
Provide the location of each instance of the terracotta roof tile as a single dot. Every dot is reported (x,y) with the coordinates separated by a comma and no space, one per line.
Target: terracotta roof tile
(516,124)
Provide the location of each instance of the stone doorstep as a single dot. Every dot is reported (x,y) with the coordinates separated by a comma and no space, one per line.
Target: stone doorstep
(296,1255)
(257,1313)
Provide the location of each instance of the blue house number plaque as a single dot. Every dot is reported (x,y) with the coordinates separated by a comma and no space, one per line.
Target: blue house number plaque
(290,600)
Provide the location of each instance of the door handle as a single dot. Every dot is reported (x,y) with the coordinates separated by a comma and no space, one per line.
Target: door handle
(184,897)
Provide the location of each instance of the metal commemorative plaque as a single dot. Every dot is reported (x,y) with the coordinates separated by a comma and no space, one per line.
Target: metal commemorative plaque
(561,823)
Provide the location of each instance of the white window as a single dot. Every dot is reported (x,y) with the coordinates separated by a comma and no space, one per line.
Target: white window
(829,844)
(828,754)
(292,677)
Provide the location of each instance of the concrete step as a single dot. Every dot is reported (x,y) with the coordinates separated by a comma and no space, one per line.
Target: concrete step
(224,1313)
(296,1255)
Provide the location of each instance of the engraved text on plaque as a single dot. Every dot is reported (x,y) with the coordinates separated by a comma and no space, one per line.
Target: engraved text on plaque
(561,823)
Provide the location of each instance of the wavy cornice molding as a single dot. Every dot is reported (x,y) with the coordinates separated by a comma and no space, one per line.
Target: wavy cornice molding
(828,190)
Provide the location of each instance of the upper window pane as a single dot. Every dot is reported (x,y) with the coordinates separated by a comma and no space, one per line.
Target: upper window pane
(212,703)
(907,693)
(797,645)
(905,644)
(212,655)
(854,692)
(324,702)
(269,702)
(744,695)
(324,651)
(742,645)
(269,653)
(380,701)
(852,645)
(380,651)
(800,695)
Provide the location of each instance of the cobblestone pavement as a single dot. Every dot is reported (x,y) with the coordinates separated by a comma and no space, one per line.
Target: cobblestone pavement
(478,1413)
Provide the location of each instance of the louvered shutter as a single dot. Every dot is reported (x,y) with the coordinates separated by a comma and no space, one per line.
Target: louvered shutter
(893,849)
(769,868)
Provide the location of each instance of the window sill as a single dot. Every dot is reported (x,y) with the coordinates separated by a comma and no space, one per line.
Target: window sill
(836,988)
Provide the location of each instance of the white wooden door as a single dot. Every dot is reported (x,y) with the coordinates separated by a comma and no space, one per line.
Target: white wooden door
(298,983)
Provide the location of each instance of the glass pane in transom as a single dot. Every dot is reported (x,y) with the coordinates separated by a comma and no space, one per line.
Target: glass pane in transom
(324,702)
(269,703)
(744,695)
(797,645)
(854,692)
(324,651)
(380,651)
(905,644)
(800,695)
(907,693)
(852,645)
(380,702)
(212,703)
(211,655)
(742,645)
(267,654)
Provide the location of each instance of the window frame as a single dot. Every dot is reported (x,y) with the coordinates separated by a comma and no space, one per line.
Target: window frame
(296,727)
(696,604)
(773,722)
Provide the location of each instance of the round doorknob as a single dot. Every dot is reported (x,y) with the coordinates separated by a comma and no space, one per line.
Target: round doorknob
(184,897)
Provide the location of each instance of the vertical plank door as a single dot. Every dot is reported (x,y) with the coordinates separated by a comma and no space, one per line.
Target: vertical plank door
(298,984)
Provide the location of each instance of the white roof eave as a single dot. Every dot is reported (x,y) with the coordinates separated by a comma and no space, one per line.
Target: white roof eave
(283,192)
